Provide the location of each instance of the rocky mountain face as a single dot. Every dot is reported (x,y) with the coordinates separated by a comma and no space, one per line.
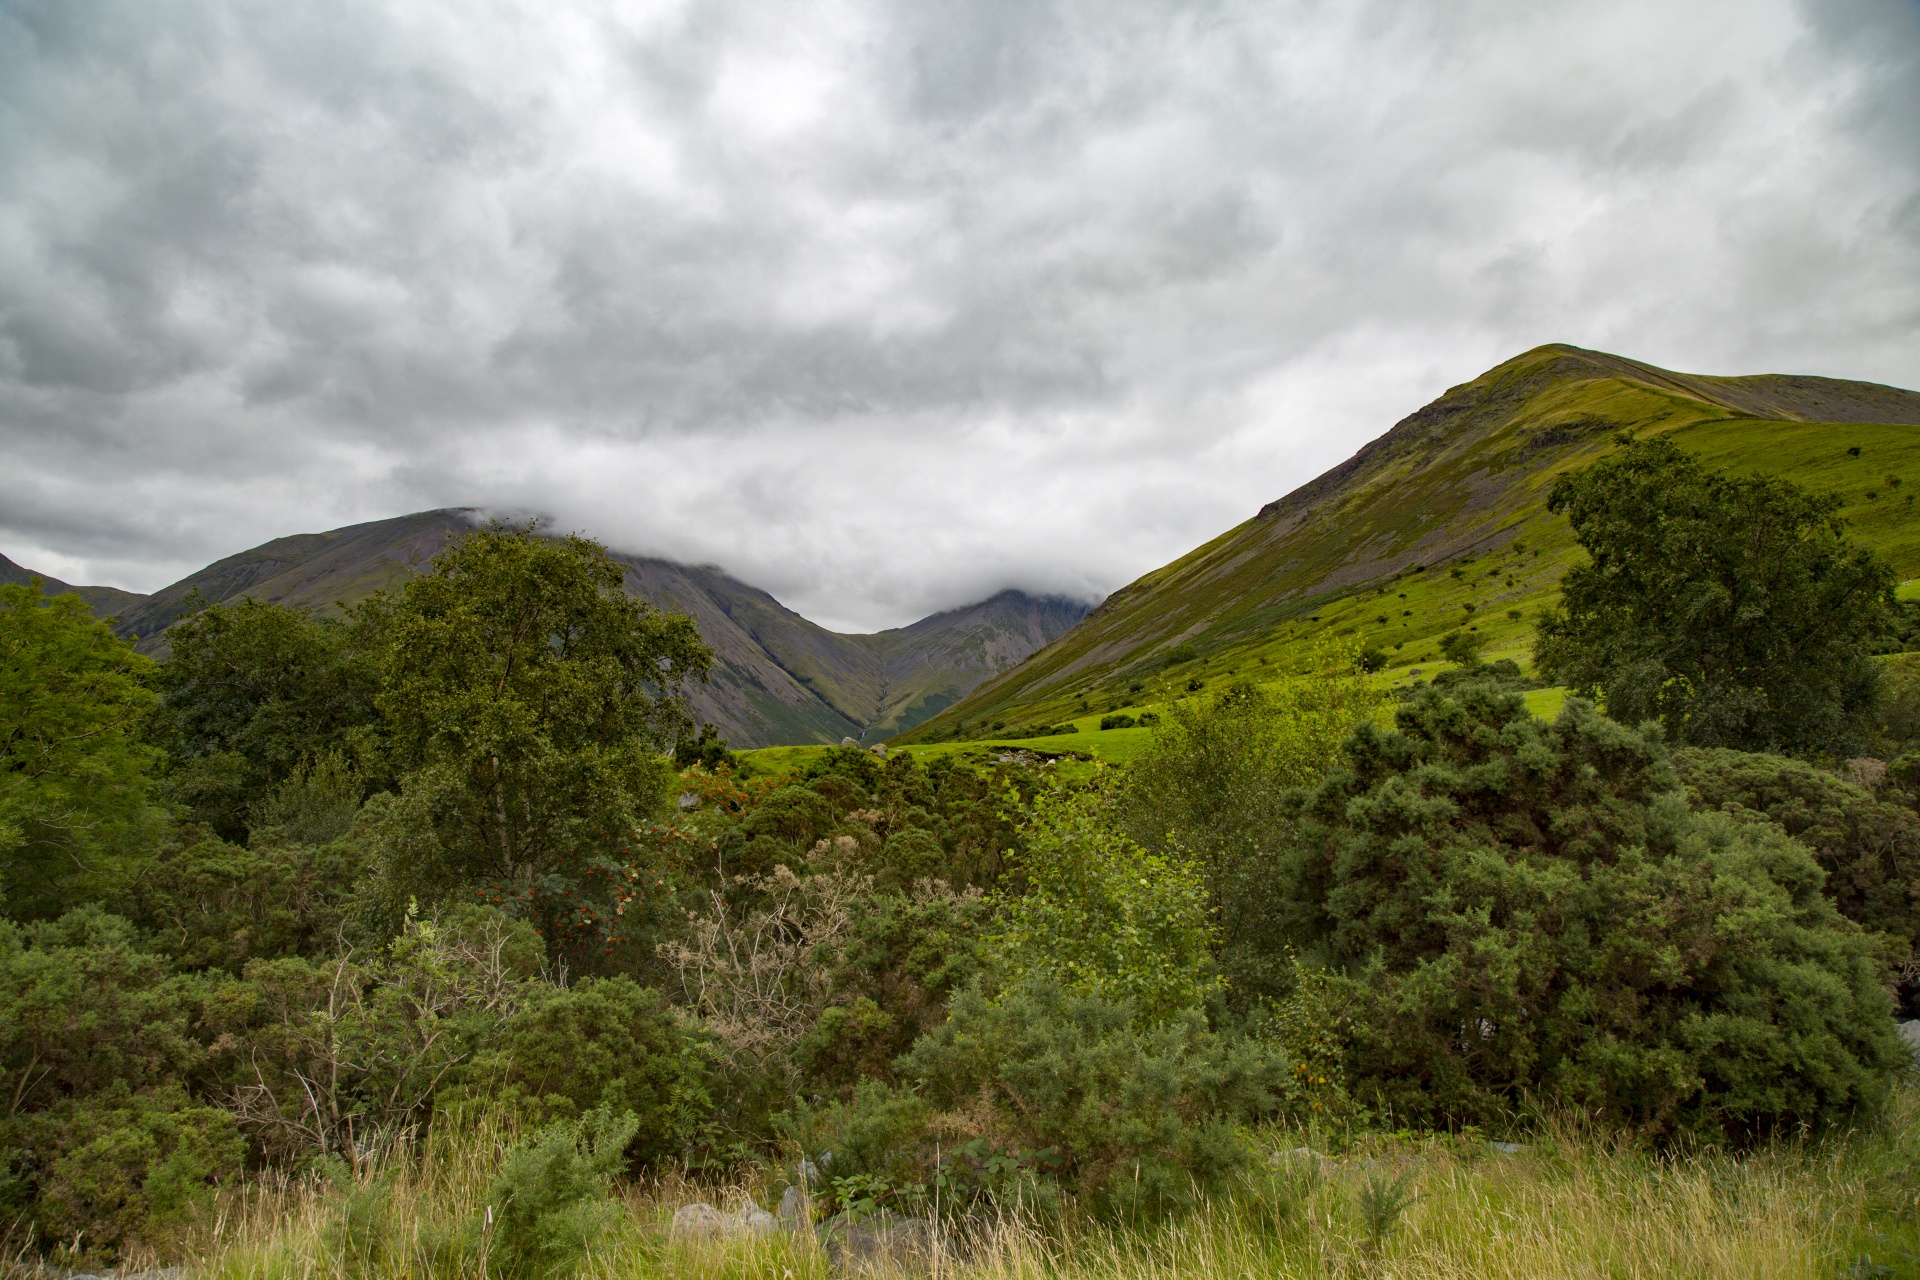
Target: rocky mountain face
(777,678)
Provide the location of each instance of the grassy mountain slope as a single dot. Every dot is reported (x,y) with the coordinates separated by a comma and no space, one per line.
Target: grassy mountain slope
(318,571)
(777,677)
(1441,523)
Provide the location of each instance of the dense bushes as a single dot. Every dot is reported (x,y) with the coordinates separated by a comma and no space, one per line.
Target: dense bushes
(99,1039)
(1521,910)
(1136,1117)
(440,882)
(606,1044)
(1869,848)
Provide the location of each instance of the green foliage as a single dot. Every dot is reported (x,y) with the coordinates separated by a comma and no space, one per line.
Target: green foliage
(1139,1117)
(212,905)
(73,774)
(1462,647)
(1734,611)
(1102,916)
(550,1203)
(332,1057)
(1518,909)
(1381,1200)
(1371,658)
(1869,848)
(708,750)
(528,699)
(1210,789)
(97,1037)
(1897,723)
(253,694)
(1119,721)
(130,1167)
(874,1151)
(607,1043)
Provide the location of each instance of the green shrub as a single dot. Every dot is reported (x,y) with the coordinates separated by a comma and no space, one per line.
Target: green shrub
(1517,909)
(550,1203)
(129,1167)
(97,1037)
(1103,916)
(1135,1118)
(873,1151)
(607,1043)
(1870,849)
(1118,721)
(1209,789)
(213,905)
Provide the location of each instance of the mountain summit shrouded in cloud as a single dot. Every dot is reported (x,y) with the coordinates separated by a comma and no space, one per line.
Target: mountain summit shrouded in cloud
(886,307)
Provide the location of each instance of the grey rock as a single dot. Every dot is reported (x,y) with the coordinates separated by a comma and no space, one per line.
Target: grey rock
(688,800)
(701,1221)
(696,1221)
(1508,1148)
(752,1220)
(1295,1157)
(884,1241)
(1910,1032)
(848,742)
(793,1206)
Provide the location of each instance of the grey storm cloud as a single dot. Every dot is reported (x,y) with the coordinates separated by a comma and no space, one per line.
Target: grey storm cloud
(884,306)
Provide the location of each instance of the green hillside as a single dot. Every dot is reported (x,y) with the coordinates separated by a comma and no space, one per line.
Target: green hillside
(1441,524)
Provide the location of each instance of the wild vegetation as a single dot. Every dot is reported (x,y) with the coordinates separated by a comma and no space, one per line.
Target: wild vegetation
(435,939)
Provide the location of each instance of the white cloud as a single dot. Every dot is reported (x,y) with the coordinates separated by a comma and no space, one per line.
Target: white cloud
(884,306)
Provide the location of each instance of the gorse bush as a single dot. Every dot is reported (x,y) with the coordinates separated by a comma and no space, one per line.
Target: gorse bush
(605,1044)
(549,1204)
(104,1147)
(1136,1116)
(1523,910)
(1869,848)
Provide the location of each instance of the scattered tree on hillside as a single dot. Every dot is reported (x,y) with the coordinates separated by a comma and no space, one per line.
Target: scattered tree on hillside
(1733,610)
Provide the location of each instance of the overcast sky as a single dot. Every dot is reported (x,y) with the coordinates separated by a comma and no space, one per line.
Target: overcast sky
(885,306)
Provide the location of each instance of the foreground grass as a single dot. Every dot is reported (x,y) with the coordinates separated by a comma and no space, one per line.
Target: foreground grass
(1571,1204)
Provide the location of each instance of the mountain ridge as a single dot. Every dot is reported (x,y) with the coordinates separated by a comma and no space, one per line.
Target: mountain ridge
(778,678)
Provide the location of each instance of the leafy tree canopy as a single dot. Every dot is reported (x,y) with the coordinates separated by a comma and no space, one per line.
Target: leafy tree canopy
(73,772)
(1733,610)
(252,693)
(528,701)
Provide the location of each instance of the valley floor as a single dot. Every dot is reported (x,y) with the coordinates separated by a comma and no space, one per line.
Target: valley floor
(1565,1204)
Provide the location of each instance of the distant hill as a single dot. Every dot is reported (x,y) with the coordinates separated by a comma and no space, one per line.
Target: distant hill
(777,677)
(1441,523)
(104,601)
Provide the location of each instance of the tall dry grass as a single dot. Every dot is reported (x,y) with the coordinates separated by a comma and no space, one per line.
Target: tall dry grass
(1573,1204)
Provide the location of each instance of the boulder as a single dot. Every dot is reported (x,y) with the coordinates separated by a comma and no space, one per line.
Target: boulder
(696,1221)
(1910,1032)
(701,1221)
(882,1242)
